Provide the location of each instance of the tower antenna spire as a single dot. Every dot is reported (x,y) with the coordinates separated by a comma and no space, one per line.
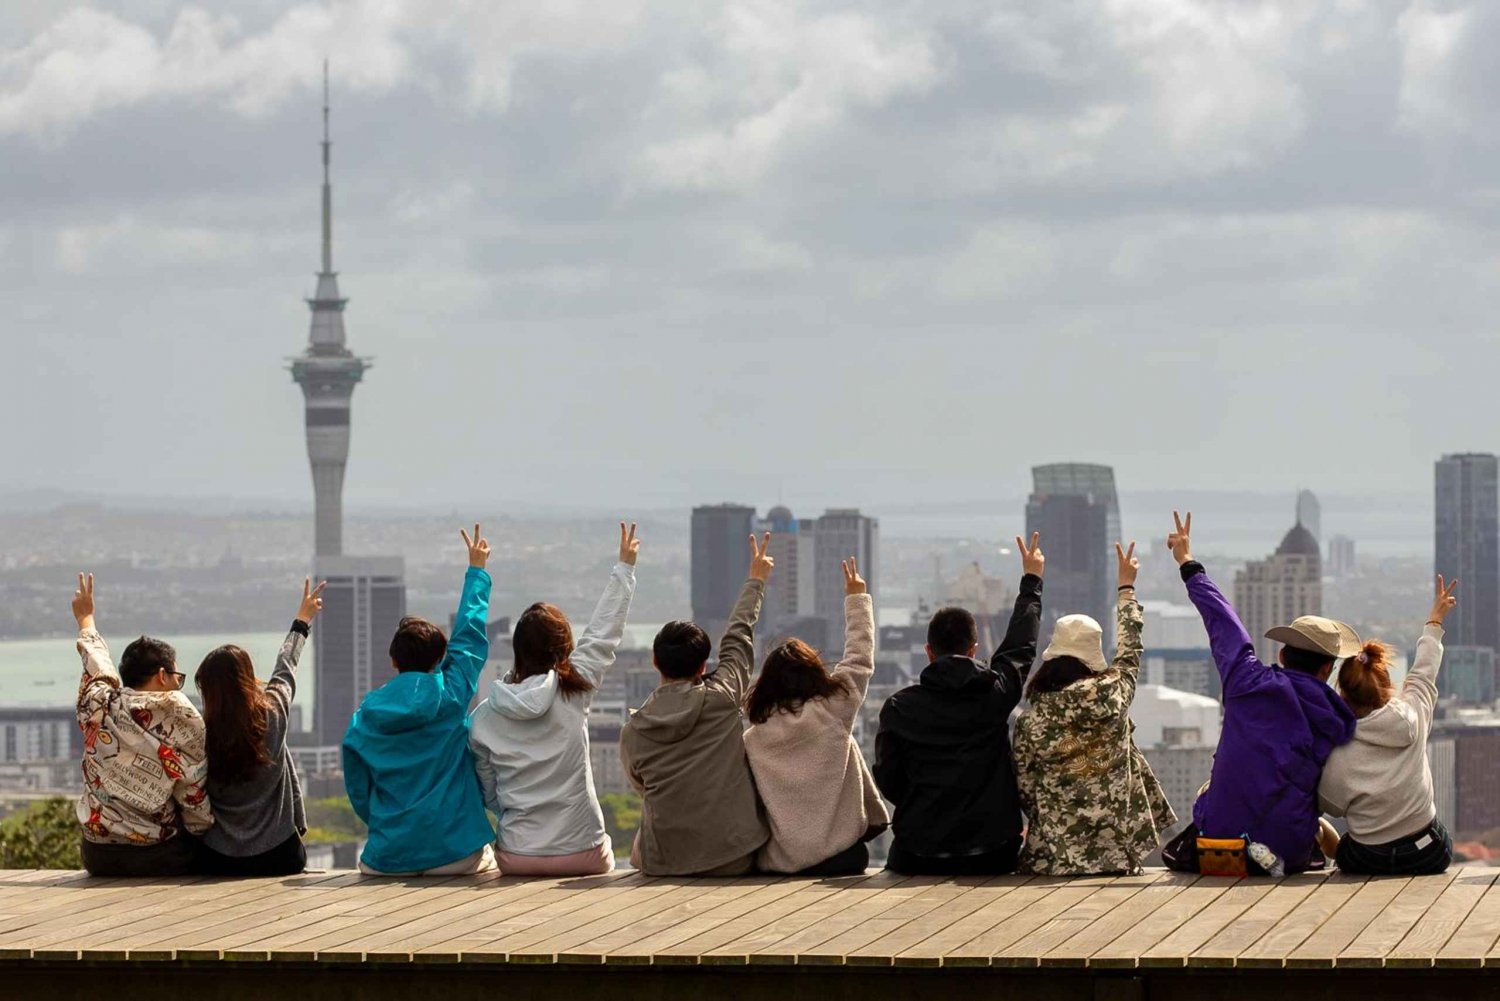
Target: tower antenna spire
(327,186)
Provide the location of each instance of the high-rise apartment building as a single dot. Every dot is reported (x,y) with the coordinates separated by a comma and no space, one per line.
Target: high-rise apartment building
(720,562)
(1275,590)
(1341,557)
(1075,508)
(364,600)
(839,534)
(1467,546)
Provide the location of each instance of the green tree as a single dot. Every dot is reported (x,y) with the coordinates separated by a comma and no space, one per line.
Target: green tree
(332,821)
(42,836)
(622,818)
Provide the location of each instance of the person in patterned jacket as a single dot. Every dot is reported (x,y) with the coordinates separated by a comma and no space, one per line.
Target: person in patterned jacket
(144,756)
(1091,800)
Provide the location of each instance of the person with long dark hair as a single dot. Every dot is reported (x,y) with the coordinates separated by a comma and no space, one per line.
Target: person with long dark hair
(251,781)
(530,738)
(820,798)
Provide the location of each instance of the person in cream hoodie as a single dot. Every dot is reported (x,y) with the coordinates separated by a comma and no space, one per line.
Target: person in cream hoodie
(1381,780)
(530,737)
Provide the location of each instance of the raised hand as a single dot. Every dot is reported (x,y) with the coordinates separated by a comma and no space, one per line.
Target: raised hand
(760,559)
(1032,560)
(479,547)
(312,600)
(1442,603)
(83,601)
(1129,565)
(1179,541)
(630,546)
(853,582)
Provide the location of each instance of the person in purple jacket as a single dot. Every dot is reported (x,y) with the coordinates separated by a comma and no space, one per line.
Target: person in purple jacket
(1281,721)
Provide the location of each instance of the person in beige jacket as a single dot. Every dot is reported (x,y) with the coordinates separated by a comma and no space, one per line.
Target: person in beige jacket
(684,749)
(819,795)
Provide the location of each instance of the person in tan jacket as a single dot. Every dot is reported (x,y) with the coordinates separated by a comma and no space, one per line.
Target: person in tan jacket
(819,795)
(684,750)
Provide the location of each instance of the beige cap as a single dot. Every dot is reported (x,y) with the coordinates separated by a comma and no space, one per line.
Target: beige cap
(1078,636)
(1317,635)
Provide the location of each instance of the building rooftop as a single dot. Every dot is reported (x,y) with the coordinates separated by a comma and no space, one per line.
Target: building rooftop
(1298,542)
(965,937)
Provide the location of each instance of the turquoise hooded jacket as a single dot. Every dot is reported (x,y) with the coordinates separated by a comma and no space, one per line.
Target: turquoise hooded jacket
(407,766)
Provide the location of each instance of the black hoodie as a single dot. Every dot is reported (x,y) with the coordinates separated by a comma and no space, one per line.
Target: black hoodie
(943,755)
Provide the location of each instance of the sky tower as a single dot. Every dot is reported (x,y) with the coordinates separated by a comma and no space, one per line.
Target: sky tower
(328,372)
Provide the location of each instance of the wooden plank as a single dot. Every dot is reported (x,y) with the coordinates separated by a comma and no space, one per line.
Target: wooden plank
(474,942)
(868,918)
(1039,902)
(87,902)
(1028,950)
(573,945)
(1335,934)
(854,905)
(995,902)
(703,946)
(1419,949)
(813,903)
(1125,951)
(1392,924)
(1175,949)
(1272,945)
(1476,936)
(661,946)
(464,921)
(934,911)
(620,945)
(1252,931)
(60,938)
(1155,890)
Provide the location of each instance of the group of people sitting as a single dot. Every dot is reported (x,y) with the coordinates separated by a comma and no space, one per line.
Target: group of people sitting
(742,773)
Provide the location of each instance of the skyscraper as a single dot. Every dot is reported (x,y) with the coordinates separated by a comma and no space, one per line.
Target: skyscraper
(1468,545)
(720,562)
(1275,590)
(1310,513)
(839,534)
(327,372)
(1074,507)
(781,609)
(364,600)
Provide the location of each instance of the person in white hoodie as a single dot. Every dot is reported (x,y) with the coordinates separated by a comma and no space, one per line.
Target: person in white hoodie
(530,737)
(820,798)
(1381,780)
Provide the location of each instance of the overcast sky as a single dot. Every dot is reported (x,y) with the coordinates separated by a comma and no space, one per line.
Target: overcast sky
(627,252)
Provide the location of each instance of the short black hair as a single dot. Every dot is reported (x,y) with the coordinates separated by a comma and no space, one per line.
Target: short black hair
(418,645)
(952,631)
(680,649)
(1306,661)
(143,658)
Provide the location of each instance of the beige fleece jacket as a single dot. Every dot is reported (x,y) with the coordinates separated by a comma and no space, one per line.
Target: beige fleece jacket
(819,795)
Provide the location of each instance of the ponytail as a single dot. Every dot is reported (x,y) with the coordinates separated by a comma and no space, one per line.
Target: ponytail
(542,642)
(1365,679)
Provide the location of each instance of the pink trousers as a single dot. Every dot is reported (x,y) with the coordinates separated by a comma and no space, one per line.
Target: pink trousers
(594,862)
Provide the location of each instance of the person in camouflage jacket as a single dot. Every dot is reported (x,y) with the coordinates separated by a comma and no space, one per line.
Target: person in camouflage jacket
(1091,800)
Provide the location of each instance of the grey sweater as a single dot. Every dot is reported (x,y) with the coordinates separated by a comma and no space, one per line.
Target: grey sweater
(255,814)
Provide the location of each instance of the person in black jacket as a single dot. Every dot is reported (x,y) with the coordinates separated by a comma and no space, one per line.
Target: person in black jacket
(942,754)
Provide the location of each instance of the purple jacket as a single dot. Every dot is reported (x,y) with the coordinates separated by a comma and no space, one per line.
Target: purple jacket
(1279,728)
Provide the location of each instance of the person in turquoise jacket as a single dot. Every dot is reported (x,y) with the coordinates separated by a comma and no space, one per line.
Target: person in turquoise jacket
(407,766)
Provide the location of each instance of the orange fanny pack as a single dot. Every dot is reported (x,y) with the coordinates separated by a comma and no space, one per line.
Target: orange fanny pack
(1223,857)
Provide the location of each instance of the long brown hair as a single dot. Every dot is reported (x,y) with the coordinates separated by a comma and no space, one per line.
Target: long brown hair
(234,714)
(1365,679)
(543,641)
(792,675)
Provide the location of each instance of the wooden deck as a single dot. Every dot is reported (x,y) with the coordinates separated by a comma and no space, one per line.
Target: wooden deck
(1156,935)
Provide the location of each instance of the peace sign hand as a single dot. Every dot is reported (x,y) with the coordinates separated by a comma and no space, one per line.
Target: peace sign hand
(1179,541)
(1032,560)
(1442,603)
(1129,565)
(83,601)
(479,547)
(853,582)
(312,600)
(630,546)
(760,561)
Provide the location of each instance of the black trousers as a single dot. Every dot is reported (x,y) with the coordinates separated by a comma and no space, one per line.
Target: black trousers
(1426,853)
(996,862)
(852,861)
(169,858)
(286,859)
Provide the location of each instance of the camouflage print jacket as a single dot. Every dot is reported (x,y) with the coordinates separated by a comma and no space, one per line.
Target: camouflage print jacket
(1091,800)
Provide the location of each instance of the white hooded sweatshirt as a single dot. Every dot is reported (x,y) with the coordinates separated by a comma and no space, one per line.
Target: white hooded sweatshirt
(531,744)
(1381,780)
